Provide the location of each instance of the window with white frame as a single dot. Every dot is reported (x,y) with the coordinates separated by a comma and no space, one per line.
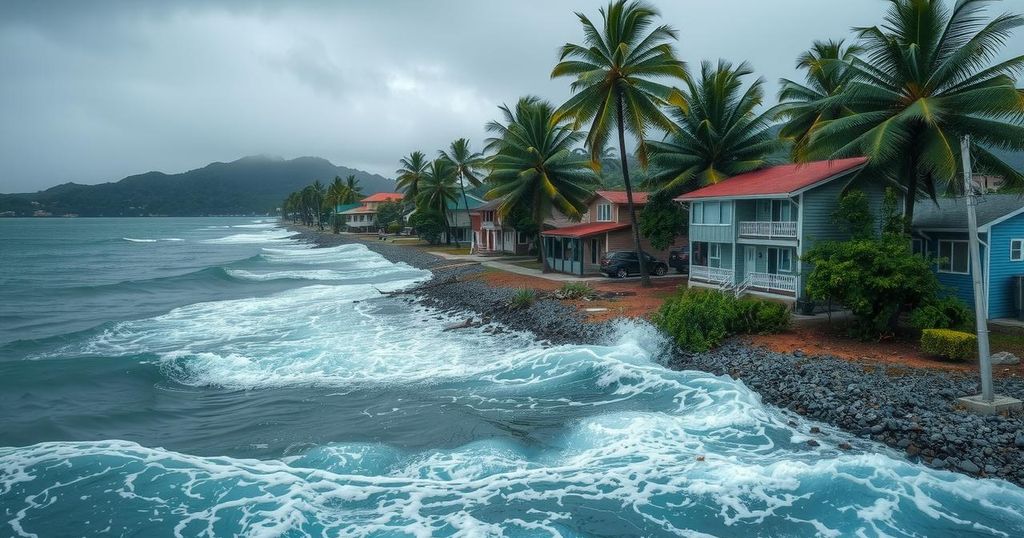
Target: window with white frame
(953,257)
(604,212)
(1016,250)
(726,213)
(714,255)
(785,260)
(697,213)
(712,213)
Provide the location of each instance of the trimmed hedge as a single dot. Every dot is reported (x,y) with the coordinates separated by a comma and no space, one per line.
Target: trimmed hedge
(948,343)
(699,319)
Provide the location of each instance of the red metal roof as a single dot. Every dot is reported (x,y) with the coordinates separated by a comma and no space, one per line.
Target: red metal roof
(777,180)
(383,197)
(585,230)
(619,197)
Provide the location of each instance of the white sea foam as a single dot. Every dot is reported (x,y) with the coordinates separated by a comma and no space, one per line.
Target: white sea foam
(134,240)
(275,235)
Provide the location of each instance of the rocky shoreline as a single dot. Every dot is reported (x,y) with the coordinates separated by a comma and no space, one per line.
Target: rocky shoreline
(911,410)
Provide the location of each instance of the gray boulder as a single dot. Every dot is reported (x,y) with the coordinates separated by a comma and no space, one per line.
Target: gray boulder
(1004,357)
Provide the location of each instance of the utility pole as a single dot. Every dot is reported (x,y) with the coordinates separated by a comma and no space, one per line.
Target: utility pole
(987,402)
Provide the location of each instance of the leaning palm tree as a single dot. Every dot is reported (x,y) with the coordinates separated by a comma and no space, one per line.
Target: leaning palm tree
(826,74)
(615,73)
(410,172)
(927,78)
(719,133)
(466,163)
(437,190)
(534,168)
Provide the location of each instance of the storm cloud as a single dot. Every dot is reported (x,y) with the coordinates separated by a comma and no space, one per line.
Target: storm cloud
(94,91)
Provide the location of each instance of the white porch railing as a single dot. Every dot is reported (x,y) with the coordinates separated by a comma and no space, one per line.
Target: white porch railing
(715,275)
(771,281)
(768,229)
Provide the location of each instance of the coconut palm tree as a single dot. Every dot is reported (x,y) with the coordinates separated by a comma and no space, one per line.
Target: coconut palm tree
(337,194)
(616,72)
(927,77)
(826,73)
(466,163)
(721,131)
(437,190)
(534,168)
(410,172)
(354,192)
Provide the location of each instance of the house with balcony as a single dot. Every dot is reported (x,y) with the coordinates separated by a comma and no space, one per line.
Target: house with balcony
(605,227)
(750,231)
(363,218)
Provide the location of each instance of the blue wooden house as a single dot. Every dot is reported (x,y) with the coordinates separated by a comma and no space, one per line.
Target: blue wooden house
(940,231)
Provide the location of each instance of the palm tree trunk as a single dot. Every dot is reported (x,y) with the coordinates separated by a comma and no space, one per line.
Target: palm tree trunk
(465,202)
(911,196)
(645,279)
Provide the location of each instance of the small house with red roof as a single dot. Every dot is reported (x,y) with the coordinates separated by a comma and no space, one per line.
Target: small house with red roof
(364,217)
(750,231)
(605,227)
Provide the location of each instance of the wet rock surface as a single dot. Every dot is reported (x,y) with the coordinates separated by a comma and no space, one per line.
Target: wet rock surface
(911,410)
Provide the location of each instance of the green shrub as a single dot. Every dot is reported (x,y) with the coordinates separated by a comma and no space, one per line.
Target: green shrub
(394,228)
(699,319)
(950,344)
(576,290)
(946,313)
(523,298)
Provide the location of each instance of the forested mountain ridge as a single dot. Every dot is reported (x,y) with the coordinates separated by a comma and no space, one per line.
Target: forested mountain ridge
(250,185)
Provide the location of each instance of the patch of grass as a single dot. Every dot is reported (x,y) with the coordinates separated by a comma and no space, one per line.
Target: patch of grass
(1007,339)
(529,264)
(576,290)
(523,298)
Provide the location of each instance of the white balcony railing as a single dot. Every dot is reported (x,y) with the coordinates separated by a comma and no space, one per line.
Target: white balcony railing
(715,275)
(769,281)
(771,230)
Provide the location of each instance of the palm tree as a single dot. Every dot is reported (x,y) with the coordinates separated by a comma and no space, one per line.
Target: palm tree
(926,79)
(466,163)
(437,190)
(826,65)
(337,194)
(353,190)
(719,133)
(615,72)
(410,172)
(534,168)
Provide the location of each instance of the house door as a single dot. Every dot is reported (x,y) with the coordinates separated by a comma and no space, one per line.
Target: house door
(749,259)
(773,261)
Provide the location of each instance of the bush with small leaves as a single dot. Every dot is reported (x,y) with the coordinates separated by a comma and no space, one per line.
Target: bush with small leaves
(698,320)
(946,313)
(950,344)
(576,290)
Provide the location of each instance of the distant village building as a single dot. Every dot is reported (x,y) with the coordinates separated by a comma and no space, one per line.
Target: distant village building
(363,217)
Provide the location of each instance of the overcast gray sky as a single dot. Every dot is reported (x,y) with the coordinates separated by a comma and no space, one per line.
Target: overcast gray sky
(94,91)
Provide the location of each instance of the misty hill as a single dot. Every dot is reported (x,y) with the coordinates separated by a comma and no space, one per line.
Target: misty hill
(251,185)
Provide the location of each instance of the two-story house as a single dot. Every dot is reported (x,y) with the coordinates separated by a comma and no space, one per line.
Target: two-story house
(605,227)
(363,218)
(750,231)
(493,235)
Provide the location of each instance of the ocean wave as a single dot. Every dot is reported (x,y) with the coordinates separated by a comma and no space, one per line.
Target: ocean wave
(271,236)
(133,240)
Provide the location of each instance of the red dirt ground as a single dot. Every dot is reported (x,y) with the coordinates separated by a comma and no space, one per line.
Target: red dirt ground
(814,337)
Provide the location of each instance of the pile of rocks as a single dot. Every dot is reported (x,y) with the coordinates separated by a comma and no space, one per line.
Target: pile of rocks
(912,410)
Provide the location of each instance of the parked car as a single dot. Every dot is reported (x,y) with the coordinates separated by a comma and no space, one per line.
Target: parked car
(622,263)
(679,260)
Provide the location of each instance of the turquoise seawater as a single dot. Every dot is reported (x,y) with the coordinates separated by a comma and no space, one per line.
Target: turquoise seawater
(214,377)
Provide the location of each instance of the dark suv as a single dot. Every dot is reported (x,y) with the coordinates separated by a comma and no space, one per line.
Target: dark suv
(622,263)
(679,260)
